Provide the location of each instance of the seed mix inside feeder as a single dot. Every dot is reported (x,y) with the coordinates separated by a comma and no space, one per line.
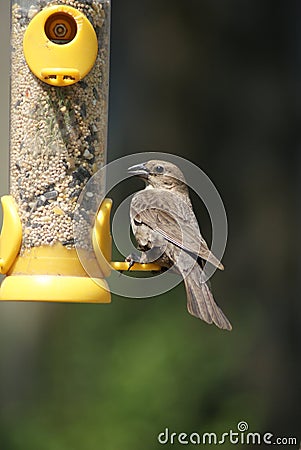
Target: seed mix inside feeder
(58,134)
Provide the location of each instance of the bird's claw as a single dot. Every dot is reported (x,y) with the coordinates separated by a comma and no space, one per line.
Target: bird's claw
(132,259)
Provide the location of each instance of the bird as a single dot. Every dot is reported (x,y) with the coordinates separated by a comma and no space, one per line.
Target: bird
(167,233)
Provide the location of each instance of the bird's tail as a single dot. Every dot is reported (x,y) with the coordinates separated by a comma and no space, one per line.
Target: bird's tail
(200,301)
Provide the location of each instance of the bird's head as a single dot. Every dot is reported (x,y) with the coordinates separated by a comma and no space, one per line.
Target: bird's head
(160,175)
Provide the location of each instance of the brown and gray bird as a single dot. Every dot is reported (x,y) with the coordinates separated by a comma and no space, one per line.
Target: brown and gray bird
(167,231)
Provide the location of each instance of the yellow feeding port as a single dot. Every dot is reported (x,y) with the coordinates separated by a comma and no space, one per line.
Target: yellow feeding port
(60,45)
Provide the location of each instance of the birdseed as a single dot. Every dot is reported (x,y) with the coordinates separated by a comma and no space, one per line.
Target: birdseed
(58,134)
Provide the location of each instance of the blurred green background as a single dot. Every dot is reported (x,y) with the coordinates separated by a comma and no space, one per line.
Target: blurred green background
(213,81)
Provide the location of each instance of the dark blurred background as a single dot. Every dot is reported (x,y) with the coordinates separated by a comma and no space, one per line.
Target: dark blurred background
(213,81)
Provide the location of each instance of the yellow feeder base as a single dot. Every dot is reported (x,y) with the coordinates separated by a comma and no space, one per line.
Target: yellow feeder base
(52,274)
(54,288)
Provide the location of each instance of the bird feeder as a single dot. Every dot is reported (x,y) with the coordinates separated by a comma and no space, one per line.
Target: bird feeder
(58,133)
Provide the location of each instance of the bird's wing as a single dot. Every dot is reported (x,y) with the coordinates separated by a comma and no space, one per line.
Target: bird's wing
(177,226)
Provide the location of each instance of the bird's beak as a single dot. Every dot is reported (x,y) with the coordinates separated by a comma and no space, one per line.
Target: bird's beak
(139,170)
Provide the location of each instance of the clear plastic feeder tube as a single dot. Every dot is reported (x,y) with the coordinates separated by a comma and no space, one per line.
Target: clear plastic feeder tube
(57,133)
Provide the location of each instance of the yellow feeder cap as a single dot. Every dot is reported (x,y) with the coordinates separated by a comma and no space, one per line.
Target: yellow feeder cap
(60,45)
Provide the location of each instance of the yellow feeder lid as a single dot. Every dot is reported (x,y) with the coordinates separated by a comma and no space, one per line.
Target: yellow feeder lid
(60,45)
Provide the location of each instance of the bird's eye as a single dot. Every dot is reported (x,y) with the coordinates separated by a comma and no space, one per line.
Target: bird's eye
(159,169)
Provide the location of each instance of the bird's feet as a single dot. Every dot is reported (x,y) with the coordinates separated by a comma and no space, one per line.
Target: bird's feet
(132,259)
